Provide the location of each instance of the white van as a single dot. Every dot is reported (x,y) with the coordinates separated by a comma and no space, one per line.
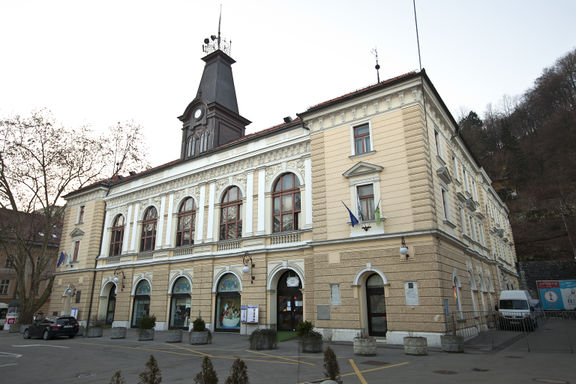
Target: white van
(517,310)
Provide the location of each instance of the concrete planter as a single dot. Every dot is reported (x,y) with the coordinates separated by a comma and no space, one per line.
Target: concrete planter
(118,333)
(174,336)
(200,337)
(365,346)
(263,339)
(94,332)
(452,343)
(311,344)
(415,346)
(146,334)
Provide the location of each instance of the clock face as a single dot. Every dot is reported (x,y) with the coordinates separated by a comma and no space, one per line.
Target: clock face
(198,113)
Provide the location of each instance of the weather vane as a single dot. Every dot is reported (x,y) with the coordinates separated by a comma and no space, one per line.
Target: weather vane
(215,43)
(375,53)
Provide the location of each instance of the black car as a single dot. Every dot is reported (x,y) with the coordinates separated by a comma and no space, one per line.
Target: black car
(50,327)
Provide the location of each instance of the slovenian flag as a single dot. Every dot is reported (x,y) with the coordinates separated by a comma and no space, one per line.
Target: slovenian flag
(353,219)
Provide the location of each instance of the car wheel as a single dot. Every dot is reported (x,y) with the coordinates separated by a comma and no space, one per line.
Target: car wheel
(46,335)
(26,334)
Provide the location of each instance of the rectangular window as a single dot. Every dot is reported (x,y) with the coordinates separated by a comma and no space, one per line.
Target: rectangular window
(4,284)
(481,233)
(438,143)
(366,201)
(362,139)
(474,190)
(455,165)
(76,249)
(472,228)
(81,214)
(465,176)
(445,203)
(462,220)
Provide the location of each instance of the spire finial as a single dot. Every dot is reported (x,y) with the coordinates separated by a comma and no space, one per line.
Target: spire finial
(375,53)
(216,42)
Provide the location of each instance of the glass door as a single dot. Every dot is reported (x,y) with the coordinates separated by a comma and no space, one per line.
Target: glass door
(111,306)
(376,303)
(290,305)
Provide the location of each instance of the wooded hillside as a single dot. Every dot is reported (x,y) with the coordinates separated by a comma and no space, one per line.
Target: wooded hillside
(528,147)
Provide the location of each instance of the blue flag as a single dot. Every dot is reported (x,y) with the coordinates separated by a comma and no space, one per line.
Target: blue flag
(353,219)
(61,259)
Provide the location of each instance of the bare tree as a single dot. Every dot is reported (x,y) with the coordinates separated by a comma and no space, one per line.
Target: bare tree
(40,162)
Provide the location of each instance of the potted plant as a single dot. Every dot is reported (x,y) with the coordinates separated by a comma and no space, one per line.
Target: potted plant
(263,339)
(95,327)
(199,333)
(310,340)
(364,345)
(146,328)
(331,367)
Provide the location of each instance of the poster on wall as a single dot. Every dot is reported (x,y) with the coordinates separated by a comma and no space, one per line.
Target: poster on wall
(74,312)
(252,314)
(557,294)
(411,288)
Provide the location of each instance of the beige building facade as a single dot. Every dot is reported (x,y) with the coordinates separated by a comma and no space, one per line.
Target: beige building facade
(366,214)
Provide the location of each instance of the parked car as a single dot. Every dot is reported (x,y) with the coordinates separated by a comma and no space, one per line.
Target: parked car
(51,327)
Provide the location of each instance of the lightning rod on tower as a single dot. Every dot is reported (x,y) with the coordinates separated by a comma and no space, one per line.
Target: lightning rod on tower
(375,53)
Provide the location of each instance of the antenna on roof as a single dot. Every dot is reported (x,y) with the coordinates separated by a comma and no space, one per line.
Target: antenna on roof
(375,53)
(417,36)
(216,42)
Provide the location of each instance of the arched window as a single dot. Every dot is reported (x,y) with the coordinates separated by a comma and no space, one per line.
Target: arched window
(148,237)
(228,304)
(117,236)
(230,219)
(286,203)
(186,219)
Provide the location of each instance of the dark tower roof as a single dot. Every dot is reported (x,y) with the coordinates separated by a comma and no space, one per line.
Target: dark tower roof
(217,84)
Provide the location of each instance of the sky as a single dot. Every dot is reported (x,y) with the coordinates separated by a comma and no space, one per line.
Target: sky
(101,62)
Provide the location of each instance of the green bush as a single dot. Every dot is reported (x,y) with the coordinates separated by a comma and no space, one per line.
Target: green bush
(147,322)
(207,375)
(198,325)
(238,373)
(117,378)
(152,373)
(263,333)
(331,367)
(304,329)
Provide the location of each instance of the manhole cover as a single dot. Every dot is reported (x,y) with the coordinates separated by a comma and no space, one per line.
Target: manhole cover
(445,372)
(374,362)
(84,374)
(480,369)
(551,381)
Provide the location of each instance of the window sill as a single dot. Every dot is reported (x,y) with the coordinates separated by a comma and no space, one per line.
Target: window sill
(362,154)
(449,223)
(441,160)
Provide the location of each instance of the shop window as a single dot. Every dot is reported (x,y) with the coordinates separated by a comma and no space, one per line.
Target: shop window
(228,304)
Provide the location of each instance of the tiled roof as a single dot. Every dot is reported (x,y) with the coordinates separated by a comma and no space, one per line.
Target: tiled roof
(381,84)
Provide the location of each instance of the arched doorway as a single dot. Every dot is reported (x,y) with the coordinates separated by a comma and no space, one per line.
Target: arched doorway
(180,304)
(111,306)
(141,302)
(228,304)
(376,305)
(289,299)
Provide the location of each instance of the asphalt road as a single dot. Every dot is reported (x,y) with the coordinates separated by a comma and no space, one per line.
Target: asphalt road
(545,356)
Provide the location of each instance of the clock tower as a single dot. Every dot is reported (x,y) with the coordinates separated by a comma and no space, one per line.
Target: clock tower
(212,118)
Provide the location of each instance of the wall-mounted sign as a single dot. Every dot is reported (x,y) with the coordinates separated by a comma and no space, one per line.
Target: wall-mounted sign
(411,289)
(292,282)
(252,314)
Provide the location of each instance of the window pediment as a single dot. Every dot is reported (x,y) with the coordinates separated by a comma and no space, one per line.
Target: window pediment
(444,174)
(361,169)
(77,232)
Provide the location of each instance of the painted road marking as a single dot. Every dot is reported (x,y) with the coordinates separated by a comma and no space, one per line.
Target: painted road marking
(357,372)
(8,354)
(40,345)
(367,370)
(281,357)
(7,365)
